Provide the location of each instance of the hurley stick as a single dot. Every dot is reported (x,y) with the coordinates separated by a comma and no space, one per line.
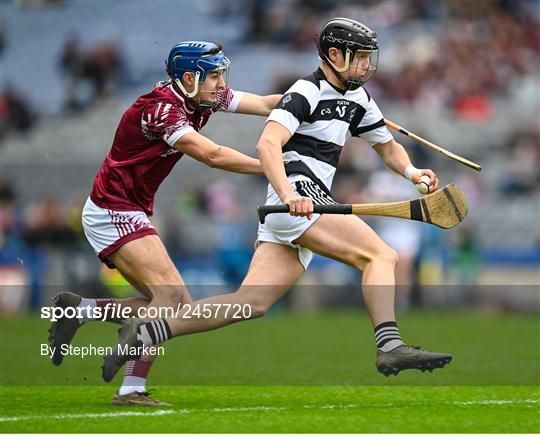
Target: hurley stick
(433,146)
(444,208)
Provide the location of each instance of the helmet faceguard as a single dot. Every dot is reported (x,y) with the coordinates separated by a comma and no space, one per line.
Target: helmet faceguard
(349,36)
(199,58)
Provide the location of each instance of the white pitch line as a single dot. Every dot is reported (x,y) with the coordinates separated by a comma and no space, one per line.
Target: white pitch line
(497,402)
(167,412)
(93,415)
(243,409)
(161,412)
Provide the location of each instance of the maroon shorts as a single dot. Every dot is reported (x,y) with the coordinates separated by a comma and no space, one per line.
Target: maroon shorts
(107,230)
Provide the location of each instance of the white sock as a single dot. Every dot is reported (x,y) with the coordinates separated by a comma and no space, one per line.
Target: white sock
(86,313)
(131,384)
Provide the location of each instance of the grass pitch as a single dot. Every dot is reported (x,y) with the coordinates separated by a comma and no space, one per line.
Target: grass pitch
(277,409)
(287,373)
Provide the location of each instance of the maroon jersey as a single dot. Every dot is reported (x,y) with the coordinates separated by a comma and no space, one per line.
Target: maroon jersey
(142,153)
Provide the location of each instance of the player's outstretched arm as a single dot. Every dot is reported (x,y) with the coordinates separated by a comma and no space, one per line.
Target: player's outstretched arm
(397,159)
(217,156)
(252,104)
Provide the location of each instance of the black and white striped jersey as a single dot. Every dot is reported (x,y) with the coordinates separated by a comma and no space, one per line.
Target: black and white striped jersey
(321,118)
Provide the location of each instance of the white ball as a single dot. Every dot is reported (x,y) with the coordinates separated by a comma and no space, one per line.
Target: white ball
(423,185)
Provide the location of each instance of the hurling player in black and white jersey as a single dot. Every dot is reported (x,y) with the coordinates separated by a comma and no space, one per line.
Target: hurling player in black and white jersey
(299,151)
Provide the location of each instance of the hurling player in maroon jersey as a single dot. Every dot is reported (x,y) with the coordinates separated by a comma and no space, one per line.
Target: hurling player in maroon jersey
(156,131)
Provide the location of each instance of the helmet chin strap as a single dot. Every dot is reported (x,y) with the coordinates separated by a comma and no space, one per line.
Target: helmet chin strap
(337,70)
(195,88)
(344,67)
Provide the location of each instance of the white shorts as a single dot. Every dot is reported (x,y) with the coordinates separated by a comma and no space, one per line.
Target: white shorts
(284,229)
(107,230)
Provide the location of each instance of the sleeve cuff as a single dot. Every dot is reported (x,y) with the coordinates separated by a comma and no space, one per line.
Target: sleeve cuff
(173,138)
(381,135)
(233,105)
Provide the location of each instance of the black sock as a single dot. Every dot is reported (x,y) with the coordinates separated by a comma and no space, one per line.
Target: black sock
(387,336)
(154,332)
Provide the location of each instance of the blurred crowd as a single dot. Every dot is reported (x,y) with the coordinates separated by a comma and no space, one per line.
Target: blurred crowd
(90,72)
(91,75)
(456,54)
(15,112)
(522,157)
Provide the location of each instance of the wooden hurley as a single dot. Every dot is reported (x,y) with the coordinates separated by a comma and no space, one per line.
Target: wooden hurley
(431,145)
(444,208)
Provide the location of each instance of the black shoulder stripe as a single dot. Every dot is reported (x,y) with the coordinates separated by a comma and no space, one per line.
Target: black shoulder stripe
(296,104)
(358,131)
(357,117)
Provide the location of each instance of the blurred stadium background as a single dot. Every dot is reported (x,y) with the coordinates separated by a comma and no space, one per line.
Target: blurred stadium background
(464,74)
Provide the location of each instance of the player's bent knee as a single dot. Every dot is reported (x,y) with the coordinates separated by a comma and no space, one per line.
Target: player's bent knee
(161,281)
(167,278)
(167,295)
(258,306)
(361,259)
(388,255)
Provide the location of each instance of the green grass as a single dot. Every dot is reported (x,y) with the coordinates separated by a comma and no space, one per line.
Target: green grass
(280,409)
(287,373)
